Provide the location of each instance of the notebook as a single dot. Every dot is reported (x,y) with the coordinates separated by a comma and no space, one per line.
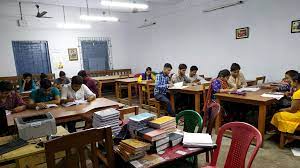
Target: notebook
(197,140)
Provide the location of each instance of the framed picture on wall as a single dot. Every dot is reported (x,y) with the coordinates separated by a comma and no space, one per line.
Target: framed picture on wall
(73,54)
(296,26)
(242,33)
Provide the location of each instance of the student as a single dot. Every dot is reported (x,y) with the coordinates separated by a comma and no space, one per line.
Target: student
(27,84)
(46,94)
(181,77)
(288,119)
(237,79)
(288,84)
(62,80)
(89,82)
(10,99)
(76,91)
(42,76)
(194,77)
(147,75)
(161,87)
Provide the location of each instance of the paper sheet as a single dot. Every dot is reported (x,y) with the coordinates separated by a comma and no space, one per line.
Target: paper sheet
(248,89)
(275,96)
(296,151)
(178,85)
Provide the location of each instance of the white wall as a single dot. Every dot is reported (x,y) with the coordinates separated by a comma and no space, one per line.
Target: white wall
(59,40)
(186,35)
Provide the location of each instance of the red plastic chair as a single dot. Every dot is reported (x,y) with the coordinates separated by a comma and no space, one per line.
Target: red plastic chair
(242,135)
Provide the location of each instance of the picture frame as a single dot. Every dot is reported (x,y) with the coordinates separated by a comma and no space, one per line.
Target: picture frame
(73,54)
(295,26)
(242,33)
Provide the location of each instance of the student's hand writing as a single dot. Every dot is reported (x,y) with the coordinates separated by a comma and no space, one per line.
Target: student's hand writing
(232,90)
(91,98)
(41,105)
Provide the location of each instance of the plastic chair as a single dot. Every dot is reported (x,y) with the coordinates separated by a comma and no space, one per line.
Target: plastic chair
(191,119)
(242,136)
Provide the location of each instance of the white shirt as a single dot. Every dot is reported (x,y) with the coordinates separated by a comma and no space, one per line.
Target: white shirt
(83,93)
(197,77)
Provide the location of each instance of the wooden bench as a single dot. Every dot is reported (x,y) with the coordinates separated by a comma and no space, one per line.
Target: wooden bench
(121,72)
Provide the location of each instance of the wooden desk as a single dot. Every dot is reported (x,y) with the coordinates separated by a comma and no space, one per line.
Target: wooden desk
(252,98)
(65,114)
(129,82)
(194,90)
(141,93)
(168,156)
(29,155)
(106,80)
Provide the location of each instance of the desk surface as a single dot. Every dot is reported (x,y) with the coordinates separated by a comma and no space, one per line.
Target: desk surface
(250,96)
(27,150)
(65,112)
(128,80)
(170,154)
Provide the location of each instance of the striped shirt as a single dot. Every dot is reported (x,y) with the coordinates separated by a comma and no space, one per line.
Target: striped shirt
(161,84)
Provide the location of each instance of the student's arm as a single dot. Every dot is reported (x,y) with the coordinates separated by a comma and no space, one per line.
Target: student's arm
(56,94)
(22,85)
(64,95)
(33,85)
(243,80)
(217,87)
(88,94)
(140,79)
(19,109)
(295,107)
(153,77)
(231,82)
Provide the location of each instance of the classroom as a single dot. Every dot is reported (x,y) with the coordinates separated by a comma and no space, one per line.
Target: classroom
(149,83)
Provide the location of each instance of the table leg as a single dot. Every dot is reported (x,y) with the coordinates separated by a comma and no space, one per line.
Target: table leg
(218,119)
(129,94)
(262,119)
(141,95)
(117,90)
(197,103)
(172,101)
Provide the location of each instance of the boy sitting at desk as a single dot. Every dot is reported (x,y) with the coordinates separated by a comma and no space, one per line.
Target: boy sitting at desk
(161,87)
(46,94)
(62,80)
(10,99)
(76,91)
(181,77)
(194,77)
(236,79)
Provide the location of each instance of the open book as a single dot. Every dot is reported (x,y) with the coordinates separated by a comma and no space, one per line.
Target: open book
(248,89)
(275,95)
(197,140)
(178,85)
(74,103)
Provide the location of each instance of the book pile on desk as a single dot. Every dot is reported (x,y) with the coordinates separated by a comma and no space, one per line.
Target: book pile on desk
(166,123)
(132,149)
(138,122)
(107,118)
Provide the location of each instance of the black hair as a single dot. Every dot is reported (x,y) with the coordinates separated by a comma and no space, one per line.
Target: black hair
(45,84)
(293,74)
(224,73)
(25,75)
(148,69)
(62,73)
(182,66)
(6,86)
(298,78)
(82,73)
(43,76)
(168,65)
(235,67)
(77,80)
(194,68)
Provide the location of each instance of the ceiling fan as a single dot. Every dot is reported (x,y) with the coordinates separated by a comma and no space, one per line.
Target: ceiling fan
(41,14)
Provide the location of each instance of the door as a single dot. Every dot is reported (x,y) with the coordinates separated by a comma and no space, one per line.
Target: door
(32,57)
(95,55)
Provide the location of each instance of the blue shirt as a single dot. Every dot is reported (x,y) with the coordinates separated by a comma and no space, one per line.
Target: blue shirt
(161,84)
(38,96)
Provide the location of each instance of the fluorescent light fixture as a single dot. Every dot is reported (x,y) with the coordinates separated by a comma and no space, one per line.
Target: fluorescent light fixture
(124,4)
(73,26)
(99,18)
(224,6)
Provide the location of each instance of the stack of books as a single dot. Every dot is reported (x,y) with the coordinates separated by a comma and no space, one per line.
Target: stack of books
(158,138)
(107,118)
(175,138)
(132,149)
(138,122)
(166,123)
(197,140)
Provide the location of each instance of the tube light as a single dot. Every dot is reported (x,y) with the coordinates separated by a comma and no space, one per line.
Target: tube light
(99,18)
(224,6)
(73,26)
(124,4)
